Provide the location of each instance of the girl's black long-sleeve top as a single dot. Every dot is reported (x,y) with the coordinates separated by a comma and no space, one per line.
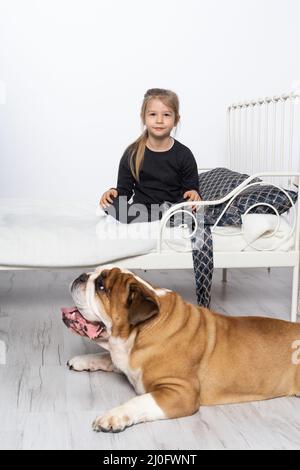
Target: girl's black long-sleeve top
(164,176)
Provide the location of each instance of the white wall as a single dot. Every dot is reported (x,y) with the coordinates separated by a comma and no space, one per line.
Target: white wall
(73,74)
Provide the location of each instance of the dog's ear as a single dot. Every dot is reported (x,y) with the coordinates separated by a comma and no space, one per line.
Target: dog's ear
(142,304)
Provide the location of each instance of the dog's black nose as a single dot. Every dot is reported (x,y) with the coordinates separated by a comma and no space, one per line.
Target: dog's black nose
(81,279)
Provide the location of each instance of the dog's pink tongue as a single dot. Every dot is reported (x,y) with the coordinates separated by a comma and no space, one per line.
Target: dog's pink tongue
(73,319)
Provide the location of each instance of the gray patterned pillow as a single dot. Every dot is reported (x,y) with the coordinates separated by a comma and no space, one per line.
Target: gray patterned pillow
(265,194)
(217,183)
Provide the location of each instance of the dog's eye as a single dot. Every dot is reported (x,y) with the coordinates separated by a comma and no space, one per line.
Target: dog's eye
(130,298)
(99,284)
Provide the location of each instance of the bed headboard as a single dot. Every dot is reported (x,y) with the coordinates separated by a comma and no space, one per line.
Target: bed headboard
(263,135)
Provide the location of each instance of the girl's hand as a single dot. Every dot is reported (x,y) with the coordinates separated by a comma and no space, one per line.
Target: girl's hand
(192,196)
(106,197)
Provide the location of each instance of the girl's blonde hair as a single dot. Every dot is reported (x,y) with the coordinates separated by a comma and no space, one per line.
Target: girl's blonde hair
(136,150)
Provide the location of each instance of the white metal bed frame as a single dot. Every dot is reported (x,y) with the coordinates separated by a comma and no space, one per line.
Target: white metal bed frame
(241,259)
(253,146)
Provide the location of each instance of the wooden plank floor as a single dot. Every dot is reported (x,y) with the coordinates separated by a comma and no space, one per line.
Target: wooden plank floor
(43,405)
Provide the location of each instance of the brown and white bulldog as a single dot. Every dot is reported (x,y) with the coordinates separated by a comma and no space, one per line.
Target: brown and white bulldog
(176,355)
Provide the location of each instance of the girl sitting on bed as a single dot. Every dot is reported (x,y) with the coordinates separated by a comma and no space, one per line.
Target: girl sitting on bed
(156,168)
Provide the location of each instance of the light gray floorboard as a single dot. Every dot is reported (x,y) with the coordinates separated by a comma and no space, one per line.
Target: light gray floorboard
(43,405)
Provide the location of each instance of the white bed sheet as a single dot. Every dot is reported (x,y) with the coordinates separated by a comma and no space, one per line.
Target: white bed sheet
(65,234)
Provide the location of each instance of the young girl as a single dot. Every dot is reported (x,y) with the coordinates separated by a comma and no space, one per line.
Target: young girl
(156,168)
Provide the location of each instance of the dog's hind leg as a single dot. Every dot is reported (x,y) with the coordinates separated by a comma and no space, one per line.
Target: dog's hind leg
(297,380)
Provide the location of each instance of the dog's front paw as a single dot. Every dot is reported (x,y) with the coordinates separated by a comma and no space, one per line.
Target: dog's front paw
(78,363)
(113,421)
(88,362)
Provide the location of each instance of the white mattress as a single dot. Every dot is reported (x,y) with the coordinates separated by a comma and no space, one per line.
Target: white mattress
(47,233)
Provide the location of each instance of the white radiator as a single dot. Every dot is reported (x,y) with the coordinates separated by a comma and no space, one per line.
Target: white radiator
(263,135)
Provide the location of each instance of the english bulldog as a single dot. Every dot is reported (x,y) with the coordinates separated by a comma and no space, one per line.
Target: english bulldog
(177,356)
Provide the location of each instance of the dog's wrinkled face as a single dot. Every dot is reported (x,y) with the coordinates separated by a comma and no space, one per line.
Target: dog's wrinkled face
(110,301)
